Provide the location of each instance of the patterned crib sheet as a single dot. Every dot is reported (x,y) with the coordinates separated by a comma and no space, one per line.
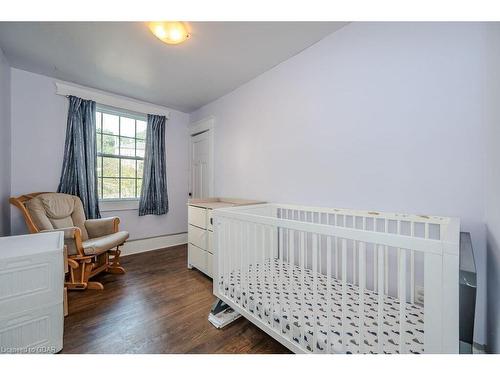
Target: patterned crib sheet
(260,294)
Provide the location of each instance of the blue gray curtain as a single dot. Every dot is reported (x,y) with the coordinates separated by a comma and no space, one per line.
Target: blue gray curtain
(154,198)
(78,176)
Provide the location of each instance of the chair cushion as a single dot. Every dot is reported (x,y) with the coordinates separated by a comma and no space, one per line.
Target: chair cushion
(57,211)
(99,245)
(57,205)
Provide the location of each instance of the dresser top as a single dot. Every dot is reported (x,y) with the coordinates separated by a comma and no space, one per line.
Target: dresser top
(31,244)
(213,203)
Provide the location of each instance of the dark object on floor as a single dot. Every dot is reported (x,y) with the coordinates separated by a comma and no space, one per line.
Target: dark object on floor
(222,314)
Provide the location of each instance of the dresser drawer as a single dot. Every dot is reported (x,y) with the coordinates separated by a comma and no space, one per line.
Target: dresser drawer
(197,236)
(197,216)
(197,257)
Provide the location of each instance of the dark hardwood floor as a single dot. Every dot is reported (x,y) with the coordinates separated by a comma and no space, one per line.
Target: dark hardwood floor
(158,306)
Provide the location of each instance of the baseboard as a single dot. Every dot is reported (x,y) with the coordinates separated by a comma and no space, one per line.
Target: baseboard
(153,243)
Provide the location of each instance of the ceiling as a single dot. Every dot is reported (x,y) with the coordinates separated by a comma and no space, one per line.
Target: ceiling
(125,58)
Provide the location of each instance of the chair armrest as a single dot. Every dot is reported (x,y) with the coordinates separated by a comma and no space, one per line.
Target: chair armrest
(72,239)
(102,227)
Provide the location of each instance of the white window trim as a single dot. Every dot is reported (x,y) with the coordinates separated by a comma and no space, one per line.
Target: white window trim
(119,204)
(108,99)
(109,205)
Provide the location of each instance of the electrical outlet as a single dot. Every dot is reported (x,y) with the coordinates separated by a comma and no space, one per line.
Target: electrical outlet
(419,294)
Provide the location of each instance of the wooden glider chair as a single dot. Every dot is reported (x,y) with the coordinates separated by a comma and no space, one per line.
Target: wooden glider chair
(89,242)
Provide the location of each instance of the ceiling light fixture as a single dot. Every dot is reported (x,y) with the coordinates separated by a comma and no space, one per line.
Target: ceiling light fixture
(169,32)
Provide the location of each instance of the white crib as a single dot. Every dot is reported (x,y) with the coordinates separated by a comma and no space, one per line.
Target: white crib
(324,280)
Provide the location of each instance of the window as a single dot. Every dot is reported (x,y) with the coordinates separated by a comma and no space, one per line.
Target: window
(120,153)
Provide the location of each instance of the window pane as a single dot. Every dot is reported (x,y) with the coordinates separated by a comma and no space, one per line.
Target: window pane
(99,187)
(110,124)
(127,127)
(140,168)
(110,188)
(141,129)
(98,141)
(127,146)
(110,145)
(128,187)
(99,166)
(140,148)
(98,121)
(128,168)
(110,167)
(139,186)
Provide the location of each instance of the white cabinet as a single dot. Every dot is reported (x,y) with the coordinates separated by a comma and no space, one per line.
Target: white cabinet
(200,230)
(31,293)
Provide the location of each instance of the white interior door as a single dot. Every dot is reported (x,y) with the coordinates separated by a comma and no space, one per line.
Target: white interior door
(200,165)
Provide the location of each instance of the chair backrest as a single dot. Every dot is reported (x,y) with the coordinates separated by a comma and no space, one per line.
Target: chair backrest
(47,211)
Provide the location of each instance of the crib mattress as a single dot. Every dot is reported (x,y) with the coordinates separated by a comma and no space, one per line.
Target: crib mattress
(262,298)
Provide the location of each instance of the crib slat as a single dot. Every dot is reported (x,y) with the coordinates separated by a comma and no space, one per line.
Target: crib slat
(221,252)
(261,262)
(241,259)
(302,287)
(291,280)
(255,273)
(246,269)
(386,270)
(264,273)
(315,288)
(344,294)
(402,300)
(380,315)
(281,286)
(354,261)
(375,260)
(329,292)
(412,267)
(226,258)
(386,260)
(231,256)
(362,285)
(337,252)
(272,246)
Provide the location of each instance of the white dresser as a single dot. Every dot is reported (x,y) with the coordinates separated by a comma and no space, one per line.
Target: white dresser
(31,293)
(200,230)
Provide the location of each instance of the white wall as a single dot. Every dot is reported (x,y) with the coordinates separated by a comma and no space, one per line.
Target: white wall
(382,116)
(38,132)
(492,186)
(4,145)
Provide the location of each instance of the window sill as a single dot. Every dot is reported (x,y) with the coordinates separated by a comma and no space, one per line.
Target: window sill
(119,205)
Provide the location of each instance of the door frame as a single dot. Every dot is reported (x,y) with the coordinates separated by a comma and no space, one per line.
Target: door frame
(204,125)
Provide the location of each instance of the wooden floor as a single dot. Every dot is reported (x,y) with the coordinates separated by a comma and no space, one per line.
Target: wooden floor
(158,306)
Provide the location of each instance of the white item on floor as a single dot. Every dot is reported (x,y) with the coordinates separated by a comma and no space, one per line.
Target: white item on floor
(323,280)
(223,318)
(200,230)
(31,293)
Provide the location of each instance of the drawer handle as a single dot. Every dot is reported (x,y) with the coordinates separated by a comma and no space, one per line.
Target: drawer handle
(211,221)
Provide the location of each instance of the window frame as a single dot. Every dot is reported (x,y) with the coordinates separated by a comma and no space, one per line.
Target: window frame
(112,204)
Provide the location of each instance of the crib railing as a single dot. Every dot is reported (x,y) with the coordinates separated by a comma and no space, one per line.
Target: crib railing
(341,281)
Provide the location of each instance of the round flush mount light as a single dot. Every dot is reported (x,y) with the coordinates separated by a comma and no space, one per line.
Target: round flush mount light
(169,32)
